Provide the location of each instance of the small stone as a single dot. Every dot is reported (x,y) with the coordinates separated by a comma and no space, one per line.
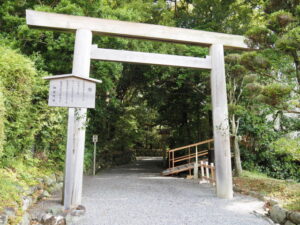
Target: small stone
(273,202)
(30,191)
(260,212)
(45,217)
(55,211)
(59,178)
(3,219)
(27,201)
(50,221)
(60,220)
(56,187)
(59,185)
(35,222)
(277,214)
(78,211)
(25,219)
(289,223)
(50,180)
(10,211)
(294,217)
(45,194)
(39,217)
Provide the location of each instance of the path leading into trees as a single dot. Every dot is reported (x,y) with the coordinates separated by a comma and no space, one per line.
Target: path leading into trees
(136,194)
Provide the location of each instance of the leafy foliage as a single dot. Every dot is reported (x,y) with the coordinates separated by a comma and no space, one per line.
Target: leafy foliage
(289,147)
(30,126)
(2,119)
(135,102)
(17,74)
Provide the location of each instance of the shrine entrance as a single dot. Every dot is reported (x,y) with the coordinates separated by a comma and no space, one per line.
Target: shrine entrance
(84,51)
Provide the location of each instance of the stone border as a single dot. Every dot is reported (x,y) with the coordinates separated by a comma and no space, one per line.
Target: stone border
(48,184)
(283,216)
(59,216)
(273,209)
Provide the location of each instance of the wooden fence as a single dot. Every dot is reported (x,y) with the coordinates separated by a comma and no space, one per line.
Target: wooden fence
(207,172)
(190,155)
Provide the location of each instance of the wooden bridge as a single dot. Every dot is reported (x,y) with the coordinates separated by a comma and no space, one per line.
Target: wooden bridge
(184,158)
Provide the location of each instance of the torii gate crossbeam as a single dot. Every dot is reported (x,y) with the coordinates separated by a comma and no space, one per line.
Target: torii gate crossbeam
(84,52)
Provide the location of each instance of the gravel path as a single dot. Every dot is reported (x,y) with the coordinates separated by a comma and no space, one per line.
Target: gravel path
(136,194)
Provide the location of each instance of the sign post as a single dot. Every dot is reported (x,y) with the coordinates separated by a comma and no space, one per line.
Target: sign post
(95,140)
(74,92)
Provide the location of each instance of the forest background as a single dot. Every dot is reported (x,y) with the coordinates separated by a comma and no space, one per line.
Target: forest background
(135,104)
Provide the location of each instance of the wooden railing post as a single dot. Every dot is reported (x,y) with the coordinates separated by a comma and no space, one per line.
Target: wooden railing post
(213,173)
(190,171)
(202,170)
(169,159)
(173,158)
(196,176)
(207,170)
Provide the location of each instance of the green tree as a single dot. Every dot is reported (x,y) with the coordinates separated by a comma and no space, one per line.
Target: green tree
(279,32)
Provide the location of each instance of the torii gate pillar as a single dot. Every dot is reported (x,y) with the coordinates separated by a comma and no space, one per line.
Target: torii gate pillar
(220,123)
(76,125)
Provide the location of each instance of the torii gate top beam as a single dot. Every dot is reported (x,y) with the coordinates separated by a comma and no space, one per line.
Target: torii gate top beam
(133,30)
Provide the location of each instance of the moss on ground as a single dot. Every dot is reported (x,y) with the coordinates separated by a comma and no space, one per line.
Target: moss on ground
(285,191)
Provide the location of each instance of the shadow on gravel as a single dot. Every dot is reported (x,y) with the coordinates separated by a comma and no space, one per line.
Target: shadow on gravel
(143,165)
(137,194)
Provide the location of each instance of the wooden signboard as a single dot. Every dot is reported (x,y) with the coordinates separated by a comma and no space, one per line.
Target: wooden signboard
(72,91)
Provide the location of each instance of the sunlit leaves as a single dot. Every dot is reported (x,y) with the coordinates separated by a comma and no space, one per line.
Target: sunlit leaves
(288,147)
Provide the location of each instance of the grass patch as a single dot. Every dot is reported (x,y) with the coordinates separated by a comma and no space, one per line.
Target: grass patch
(286,192)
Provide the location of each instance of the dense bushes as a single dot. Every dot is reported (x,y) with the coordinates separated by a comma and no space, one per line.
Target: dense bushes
(17,74)
(28,124)
(267,150)
(32,135)
(2,118)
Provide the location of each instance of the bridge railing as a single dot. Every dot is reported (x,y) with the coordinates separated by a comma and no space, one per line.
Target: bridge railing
(191,152)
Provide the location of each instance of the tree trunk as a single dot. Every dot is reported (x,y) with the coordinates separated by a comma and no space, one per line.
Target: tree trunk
(236,148)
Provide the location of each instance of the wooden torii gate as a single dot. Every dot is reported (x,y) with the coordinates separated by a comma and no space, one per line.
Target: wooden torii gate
(84,51)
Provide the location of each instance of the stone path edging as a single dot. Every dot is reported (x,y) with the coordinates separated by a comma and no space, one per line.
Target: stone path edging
(273,209)
(48,184)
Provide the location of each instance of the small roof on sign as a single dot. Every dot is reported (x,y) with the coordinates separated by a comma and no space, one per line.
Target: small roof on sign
(72,76)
